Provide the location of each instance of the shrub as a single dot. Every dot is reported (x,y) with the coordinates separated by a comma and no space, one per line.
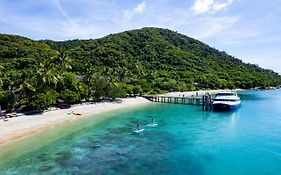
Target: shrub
(42,100)
(69,96)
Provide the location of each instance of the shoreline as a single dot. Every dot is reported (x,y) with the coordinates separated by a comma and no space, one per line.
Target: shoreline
(17,128)
(20,127)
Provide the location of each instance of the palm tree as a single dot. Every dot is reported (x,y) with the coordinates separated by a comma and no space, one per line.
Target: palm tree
(140,70)
(12,97)
(2,74)
(63,61)
(25,86)
(123,74)
(47,75)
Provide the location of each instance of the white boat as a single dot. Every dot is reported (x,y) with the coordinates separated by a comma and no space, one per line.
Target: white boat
(226,100)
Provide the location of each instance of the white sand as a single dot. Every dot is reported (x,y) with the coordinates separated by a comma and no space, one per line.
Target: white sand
(18,127)
(190,93)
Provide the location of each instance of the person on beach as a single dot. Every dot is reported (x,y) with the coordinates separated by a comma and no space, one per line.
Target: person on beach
(3,115)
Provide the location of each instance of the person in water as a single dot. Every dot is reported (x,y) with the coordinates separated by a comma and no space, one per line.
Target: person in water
(138,126)
(152,120)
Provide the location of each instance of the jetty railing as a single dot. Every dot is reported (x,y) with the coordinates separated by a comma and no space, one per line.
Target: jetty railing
(205,101)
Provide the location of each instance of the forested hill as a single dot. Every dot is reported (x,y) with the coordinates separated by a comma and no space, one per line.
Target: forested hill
(162,59)
(37,74)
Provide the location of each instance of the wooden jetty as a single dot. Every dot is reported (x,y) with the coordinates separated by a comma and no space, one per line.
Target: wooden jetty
(205,101)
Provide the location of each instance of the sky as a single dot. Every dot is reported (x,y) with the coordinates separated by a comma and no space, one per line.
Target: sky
(246,29)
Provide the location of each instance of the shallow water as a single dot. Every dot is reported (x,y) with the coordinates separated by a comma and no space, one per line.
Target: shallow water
(185,141)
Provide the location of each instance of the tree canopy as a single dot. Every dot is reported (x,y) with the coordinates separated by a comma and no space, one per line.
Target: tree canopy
(38,74)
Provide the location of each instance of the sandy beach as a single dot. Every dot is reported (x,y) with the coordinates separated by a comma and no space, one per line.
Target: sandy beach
(25,125)
(190,93)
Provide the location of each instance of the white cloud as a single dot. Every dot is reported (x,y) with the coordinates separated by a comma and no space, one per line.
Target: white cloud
(240,34)
(71,28)
(202,6)
(210,26)
(212,6)
(62,11)
(97,23)
(140,8)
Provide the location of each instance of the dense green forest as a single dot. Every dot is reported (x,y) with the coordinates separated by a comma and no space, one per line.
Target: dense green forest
(38,74)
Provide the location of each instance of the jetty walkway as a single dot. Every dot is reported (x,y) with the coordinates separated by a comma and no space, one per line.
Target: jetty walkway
(205,101)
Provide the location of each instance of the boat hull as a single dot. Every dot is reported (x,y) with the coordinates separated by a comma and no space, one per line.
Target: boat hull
(224,107)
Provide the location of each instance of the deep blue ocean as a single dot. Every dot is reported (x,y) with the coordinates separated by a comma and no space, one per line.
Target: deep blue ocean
(186,141)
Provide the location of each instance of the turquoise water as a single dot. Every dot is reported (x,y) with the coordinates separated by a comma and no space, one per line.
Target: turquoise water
(186,141)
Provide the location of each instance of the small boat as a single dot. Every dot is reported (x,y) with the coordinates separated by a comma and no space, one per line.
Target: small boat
(225,101)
